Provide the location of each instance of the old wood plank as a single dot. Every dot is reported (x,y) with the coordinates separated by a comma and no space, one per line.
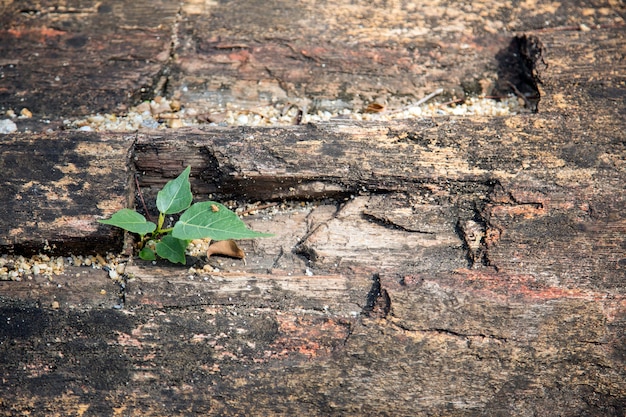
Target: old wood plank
(496,282)
(343,157)
(500,171)
(488,337)
(309,53)
(349,54)
(55,187)
(452,344)
(64,59)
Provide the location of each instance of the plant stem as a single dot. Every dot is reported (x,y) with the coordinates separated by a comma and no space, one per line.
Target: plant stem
(161,221)
(141,198)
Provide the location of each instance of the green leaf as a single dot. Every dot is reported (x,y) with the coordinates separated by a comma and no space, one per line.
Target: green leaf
(130,220)
(147,254)
(176,195)
(172,249)
(213,220)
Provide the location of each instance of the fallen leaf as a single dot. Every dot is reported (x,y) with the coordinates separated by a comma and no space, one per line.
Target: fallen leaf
(374,108)
(225,248)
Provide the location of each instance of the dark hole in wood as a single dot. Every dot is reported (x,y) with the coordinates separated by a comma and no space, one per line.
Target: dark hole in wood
(378,300)
(105,8)
(517,70)
(29,11)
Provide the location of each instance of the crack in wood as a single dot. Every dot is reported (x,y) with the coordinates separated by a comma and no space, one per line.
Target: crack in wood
(472,233)
(301,248)
(453,333)
(388,223)
(517,69)
(275,264)
(162,85)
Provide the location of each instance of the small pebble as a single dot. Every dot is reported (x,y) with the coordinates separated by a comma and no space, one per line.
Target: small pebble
(160,106)
(175,105)
(143,107)
(25,113)
(96,119)
(150,124)
(175,123)
(7,126)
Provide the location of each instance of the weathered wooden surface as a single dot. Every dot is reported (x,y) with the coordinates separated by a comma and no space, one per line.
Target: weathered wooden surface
(55,187)
(544,300)
(104,57)
(460,267)
(346,54)
(68,58)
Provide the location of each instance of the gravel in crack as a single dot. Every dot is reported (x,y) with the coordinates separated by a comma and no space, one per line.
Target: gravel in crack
(19,268)
(163,113)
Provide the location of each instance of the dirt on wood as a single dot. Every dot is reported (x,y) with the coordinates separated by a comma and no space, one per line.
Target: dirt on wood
(440,265)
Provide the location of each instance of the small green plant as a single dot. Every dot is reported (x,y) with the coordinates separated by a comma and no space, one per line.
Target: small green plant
(207,219)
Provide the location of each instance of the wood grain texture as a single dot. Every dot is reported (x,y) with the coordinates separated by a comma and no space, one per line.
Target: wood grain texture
(543,303)
(446,266)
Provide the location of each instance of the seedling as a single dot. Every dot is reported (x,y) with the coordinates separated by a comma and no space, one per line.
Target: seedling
(207,219)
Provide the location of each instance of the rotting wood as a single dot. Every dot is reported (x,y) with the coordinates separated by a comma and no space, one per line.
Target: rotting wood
(482,332)
(356,53)
(203,54)
(55,187)
(530,321)
(472,335)
(499,335)
(97,57)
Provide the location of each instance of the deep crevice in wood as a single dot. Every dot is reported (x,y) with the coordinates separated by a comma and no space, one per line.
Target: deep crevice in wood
(517,70)
(378,302)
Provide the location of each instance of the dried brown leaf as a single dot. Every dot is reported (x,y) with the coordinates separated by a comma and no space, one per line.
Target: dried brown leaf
(374,108)
(225,248)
